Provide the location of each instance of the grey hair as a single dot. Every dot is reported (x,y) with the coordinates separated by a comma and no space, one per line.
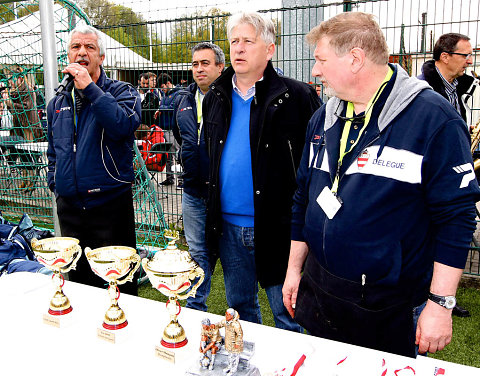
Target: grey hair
(86,29)
(231,312)
(219,55)
(206,321)
(263,26)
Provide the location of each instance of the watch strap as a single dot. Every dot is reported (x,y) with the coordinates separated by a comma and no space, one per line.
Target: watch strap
(442,300)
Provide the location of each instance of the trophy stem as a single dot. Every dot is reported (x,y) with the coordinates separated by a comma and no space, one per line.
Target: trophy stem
(174,335)
(114,317)
(59,304)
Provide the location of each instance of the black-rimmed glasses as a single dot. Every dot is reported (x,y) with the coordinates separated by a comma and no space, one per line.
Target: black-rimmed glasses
(466,56)
(354,119)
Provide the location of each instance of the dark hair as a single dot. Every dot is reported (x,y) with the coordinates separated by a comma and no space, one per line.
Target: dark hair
(219,55)
(447,43)
(163,78)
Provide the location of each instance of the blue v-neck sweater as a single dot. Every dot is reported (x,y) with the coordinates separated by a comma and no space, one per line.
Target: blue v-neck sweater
(236,181)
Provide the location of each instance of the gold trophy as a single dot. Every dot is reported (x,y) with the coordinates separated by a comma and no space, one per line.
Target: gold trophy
(116,265)
(172,272)
(59,254)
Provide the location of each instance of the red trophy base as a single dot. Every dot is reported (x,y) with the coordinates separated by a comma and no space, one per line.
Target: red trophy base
(116,326)
(170,345)
(60,312)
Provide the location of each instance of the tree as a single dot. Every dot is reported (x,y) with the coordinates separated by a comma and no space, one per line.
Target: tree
(119,22)
(187,32)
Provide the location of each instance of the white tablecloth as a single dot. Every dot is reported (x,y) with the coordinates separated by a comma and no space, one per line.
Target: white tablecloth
(30,347)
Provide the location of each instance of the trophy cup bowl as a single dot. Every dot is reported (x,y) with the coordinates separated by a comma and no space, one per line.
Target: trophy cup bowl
(59,254)
(172,272)
(116,265)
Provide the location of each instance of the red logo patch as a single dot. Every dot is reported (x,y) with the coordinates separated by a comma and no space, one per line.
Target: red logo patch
(363,159)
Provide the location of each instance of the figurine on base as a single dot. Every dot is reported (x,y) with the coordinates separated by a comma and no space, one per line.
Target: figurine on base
(224,356)
(210,344)
(233,339)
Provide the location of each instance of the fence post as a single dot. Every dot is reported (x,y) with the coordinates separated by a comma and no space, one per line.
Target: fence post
(50,69)
(347,5)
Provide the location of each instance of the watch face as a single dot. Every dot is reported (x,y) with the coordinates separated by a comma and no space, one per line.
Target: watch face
(450,302)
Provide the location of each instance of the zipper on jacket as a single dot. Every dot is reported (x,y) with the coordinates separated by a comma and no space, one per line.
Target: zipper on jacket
(364,281)
(291,157)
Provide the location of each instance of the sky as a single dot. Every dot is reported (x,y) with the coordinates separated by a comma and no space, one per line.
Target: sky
(449,15)
(163,9)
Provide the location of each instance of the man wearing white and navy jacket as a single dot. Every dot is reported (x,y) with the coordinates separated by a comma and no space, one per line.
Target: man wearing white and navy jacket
(385,206)
(91,125)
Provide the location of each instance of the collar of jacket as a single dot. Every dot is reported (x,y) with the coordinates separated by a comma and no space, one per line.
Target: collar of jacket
(432,77)
(189,90)
(404,91)
(266,90)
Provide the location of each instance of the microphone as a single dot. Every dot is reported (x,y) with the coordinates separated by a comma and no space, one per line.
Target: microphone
(66,80)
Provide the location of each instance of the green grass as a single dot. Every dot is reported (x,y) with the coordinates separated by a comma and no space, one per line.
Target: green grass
(465,345)
(464,348)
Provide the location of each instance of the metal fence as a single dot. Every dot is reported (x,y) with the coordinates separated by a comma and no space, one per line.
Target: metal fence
(139,40)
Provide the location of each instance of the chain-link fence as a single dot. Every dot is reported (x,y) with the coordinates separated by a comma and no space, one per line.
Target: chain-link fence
(141,38)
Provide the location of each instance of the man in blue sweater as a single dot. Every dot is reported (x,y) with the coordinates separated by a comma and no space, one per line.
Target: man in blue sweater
(385,207)
(91,125)
(255,122)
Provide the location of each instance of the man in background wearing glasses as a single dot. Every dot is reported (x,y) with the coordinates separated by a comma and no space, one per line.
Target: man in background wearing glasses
(452,55)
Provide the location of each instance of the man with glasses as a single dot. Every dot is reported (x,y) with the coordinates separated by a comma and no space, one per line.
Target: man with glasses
(452,55)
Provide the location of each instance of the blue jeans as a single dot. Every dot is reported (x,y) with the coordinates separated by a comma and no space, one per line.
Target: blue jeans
(194,217)
(237,255)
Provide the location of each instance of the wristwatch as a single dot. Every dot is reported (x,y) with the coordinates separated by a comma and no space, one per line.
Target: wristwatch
(448,301)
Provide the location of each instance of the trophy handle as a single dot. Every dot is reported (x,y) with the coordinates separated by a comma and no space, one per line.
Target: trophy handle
(197,272)
(129,276)
(73,263)
(34,243)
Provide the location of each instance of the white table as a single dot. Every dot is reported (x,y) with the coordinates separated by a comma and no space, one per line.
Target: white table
(28,346)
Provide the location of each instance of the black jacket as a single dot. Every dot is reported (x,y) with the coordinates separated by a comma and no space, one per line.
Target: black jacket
(280,112)
(430,74)
(193,152)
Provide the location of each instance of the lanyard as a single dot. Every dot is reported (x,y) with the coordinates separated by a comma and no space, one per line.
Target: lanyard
(348,124)
(199,100)
(75,118)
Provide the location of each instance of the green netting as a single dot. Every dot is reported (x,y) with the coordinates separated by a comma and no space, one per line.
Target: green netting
(23,163)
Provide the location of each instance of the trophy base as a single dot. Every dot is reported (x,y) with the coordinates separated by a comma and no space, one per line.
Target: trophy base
(58,319)
(245,368)
(60,304)
(171,345)
(115,326)
(60,312)
(114,318)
